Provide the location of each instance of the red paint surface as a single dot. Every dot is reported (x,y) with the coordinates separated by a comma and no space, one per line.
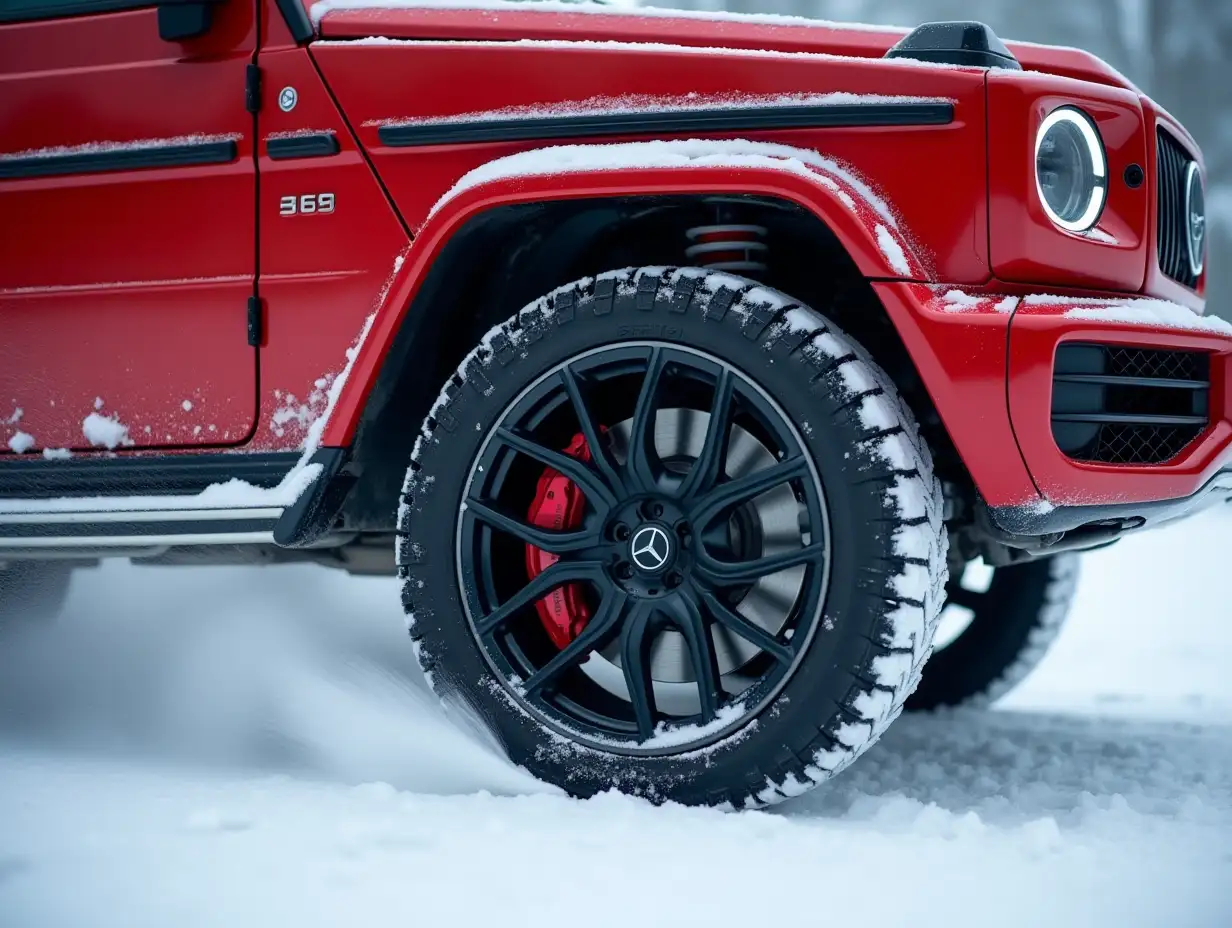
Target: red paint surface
(815,38)
(132,286)
(322,273)
(855,229)
(1036,331)
(1026,246)
(129,286)
(433,80)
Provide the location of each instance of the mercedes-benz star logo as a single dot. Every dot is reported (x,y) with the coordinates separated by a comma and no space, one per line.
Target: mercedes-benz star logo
(650,548)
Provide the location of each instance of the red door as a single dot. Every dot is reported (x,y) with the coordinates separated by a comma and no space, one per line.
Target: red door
(127,219)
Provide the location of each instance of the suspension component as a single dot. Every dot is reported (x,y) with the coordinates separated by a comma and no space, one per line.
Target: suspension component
(728,247)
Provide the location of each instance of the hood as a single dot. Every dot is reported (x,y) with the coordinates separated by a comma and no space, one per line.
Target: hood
(559,20)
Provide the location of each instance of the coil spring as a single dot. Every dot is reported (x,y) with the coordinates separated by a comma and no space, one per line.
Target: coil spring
(737,248)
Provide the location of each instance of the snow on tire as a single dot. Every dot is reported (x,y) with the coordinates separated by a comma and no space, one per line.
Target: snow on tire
(670,532)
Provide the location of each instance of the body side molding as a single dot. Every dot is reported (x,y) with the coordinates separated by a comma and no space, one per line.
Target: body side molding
(670,121)
(53,164)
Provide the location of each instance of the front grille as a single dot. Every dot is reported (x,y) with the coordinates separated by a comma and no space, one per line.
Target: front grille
(1173,233)
(1113,404)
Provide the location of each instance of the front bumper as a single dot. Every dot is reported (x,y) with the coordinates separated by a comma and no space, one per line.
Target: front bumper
(987,360)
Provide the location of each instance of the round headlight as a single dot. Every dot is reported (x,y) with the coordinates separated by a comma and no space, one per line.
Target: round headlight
(1071,169)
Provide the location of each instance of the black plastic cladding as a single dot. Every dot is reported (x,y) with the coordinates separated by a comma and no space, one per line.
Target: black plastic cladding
(1113,404)
(971,44)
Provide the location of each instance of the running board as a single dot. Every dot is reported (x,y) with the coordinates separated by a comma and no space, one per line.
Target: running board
(145,504)
(33,531)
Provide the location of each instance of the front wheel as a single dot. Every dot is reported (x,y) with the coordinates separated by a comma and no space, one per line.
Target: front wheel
(671,533)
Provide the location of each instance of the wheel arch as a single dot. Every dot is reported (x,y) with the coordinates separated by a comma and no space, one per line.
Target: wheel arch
(532,234)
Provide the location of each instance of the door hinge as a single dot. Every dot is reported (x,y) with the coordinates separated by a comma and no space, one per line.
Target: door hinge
(252,88)
(256,322)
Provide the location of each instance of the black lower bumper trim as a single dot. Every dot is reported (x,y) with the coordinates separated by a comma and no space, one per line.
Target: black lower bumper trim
(1033,520)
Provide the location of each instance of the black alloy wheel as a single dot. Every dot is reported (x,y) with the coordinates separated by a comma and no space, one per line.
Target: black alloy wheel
(672,546)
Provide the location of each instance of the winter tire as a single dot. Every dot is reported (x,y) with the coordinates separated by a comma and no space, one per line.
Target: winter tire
(733,562)
(1013,621)
(32,591)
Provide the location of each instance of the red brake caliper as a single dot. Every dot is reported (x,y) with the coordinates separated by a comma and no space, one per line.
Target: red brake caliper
(559,505)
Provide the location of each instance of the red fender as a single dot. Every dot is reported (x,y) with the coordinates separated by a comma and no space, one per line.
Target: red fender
(830,197)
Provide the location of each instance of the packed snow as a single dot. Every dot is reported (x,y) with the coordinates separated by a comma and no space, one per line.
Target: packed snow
(104,431)
(892,251)
(231,747)
(1161,313)
(21,442)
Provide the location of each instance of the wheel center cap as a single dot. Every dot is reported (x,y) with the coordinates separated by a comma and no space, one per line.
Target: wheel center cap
(651,549)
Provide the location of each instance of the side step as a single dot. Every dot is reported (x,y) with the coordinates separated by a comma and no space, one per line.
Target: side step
(144,504)
(37,530)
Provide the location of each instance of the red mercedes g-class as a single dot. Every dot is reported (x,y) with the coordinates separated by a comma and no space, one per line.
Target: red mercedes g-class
(752,331)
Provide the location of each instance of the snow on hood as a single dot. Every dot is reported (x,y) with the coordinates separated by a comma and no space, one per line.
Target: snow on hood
(504,19)
(320,8)
(1160,313)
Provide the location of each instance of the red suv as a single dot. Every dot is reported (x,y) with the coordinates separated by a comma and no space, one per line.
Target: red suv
(752,331)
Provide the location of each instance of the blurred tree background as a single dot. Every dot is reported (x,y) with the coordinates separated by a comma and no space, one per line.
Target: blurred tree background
(1178,51)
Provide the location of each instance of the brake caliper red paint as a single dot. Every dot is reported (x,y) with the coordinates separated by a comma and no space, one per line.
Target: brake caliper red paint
(559,505)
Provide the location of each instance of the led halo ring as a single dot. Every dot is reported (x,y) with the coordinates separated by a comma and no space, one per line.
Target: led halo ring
(1099,167)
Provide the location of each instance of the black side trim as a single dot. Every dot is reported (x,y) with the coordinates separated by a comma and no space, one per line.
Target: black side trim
(22,10)
(671,122)
(311,517)
(1032,520)
(124,159)
(180,20)
(296,18)
(318,145)
(152,475)
(252,88)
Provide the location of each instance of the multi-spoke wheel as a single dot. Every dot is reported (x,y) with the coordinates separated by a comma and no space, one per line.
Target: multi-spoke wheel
(997,625)
(670,532)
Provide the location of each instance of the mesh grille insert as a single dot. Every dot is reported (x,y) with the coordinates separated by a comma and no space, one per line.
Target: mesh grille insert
(1113,404)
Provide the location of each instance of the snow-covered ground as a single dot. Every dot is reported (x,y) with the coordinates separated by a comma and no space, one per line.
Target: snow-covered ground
(239,748)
